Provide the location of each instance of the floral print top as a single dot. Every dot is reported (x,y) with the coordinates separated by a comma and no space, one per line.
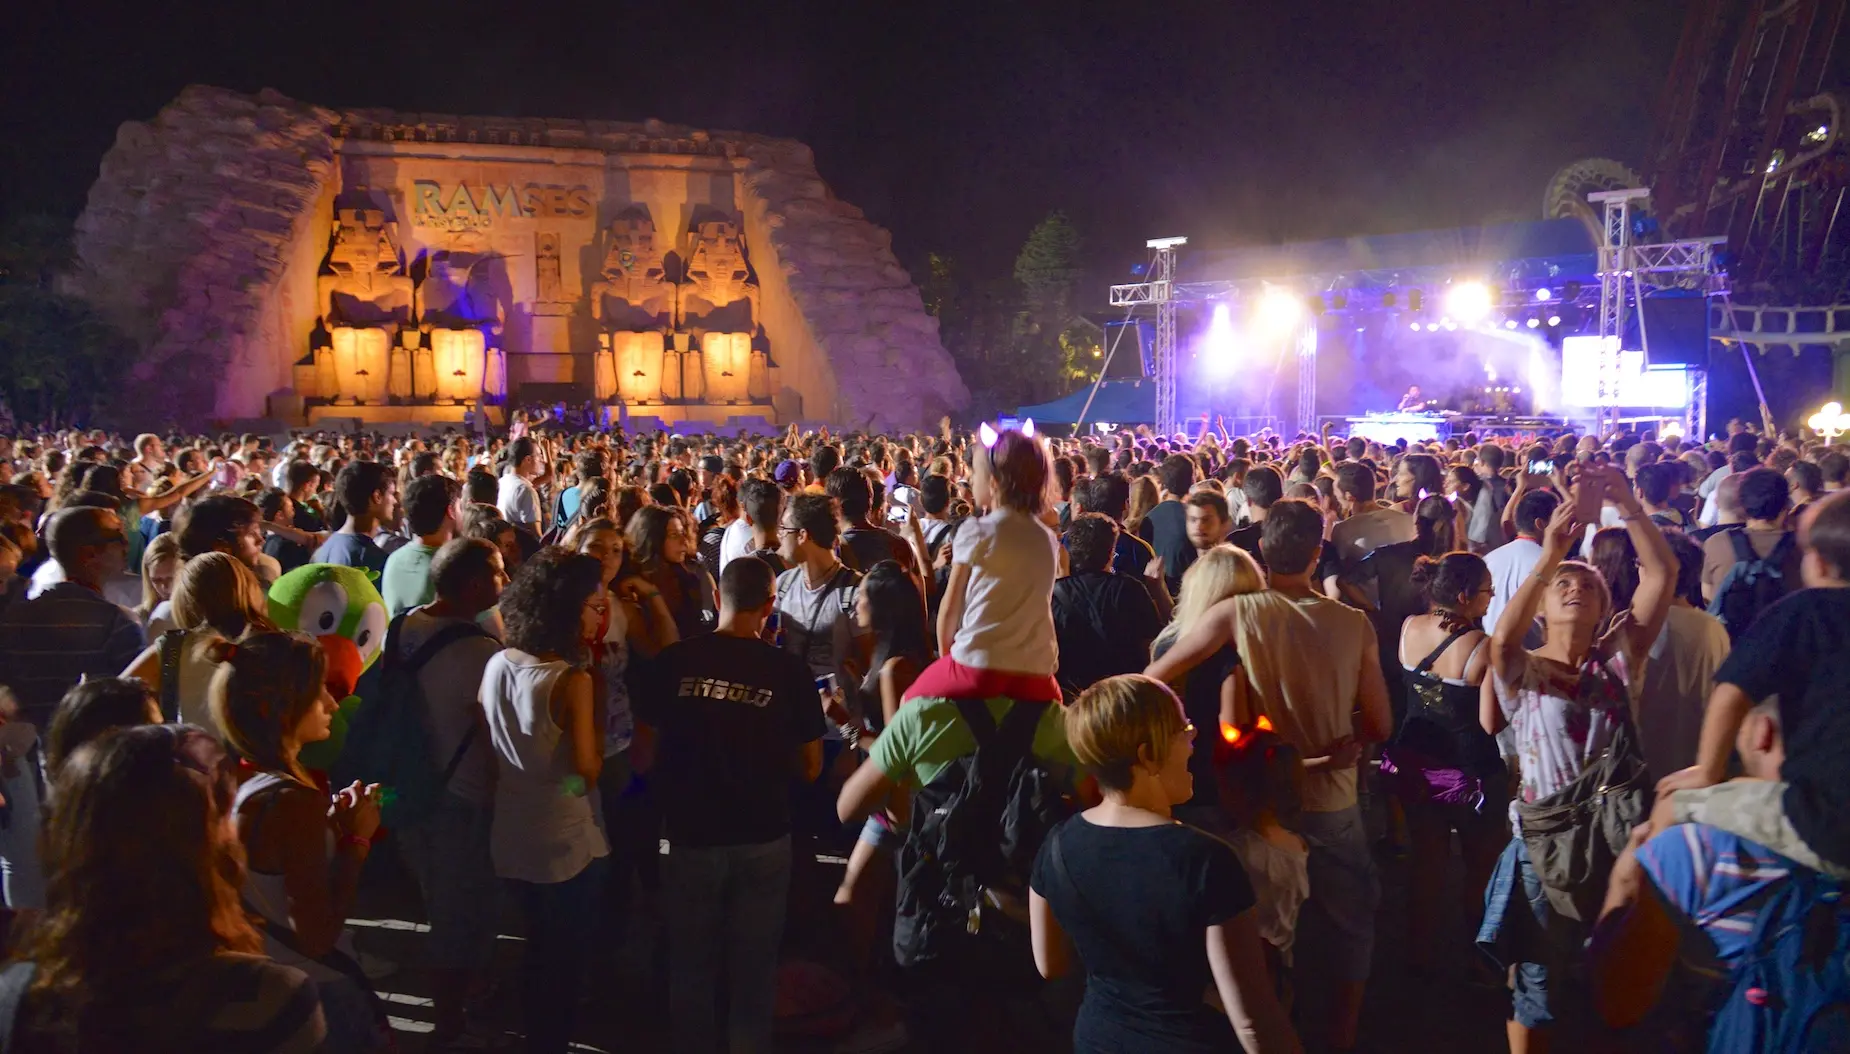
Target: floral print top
(1560,720)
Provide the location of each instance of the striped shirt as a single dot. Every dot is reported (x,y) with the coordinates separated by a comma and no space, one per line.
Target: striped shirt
(50,643)
(1715,879)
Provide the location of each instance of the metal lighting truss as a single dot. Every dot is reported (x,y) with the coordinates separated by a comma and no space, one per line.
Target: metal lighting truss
(1160,291)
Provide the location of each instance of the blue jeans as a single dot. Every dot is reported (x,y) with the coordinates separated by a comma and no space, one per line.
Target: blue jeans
(560,918)
(725,906)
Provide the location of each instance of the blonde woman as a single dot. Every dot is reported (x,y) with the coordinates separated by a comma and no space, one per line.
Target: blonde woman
(1214,693)
(1105,893)
(160,564)
(215,597)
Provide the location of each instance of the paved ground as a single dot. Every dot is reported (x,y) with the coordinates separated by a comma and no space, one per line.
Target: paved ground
(624,1008)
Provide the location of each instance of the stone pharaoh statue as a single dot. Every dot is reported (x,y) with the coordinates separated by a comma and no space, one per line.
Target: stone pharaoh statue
(633,304)
(726,369)
(461,314)
(367,304)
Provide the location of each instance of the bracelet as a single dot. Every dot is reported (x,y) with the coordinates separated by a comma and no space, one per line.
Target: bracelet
(364,844)
(851,735)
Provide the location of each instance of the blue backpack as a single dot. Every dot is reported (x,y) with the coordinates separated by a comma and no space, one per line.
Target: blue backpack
(1752,585)
(388,740)
(1792,986)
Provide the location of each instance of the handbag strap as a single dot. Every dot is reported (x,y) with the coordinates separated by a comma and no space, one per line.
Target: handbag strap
(171,643)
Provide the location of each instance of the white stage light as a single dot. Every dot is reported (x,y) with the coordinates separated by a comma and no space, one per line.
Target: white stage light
(1278,310)
(1544,295)
(1554,320)
(1221,346)
(1415,327)
(1468,301)
(1535,323)
(1509,323)
(1449,324)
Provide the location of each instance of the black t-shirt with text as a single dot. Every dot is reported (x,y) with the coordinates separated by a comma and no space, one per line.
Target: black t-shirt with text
(1799,650)
(731,713)
(1136,902)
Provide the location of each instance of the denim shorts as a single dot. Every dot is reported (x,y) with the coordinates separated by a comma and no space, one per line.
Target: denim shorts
(880,833)
(1512,934)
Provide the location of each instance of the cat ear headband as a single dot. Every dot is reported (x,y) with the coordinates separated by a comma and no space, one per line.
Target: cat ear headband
(989,435)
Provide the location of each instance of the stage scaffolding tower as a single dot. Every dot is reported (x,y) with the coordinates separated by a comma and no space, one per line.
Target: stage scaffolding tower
(1159,291)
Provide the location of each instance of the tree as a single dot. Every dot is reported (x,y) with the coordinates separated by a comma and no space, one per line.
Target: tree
(1047,273)
(59,359)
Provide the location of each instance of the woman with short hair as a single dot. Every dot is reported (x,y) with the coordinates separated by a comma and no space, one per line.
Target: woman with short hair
(1156,910)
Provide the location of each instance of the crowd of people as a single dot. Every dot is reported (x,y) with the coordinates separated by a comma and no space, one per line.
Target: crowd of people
(1113,732)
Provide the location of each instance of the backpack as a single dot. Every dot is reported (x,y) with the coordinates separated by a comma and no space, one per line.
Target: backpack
(976,828)
(1752,585)
(1792,985)
(388,740)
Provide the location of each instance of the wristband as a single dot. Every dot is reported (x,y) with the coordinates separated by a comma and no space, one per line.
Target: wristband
(851,735)
(364,844)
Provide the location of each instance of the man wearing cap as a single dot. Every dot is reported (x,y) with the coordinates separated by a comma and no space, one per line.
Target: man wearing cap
(789,477)
(49,643)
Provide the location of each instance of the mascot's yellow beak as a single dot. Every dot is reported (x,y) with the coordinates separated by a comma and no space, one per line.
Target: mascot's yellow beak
(344,665)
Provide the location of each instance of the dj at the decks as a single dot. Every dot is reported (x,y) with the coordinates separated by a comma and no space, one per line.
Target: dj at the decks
(1413,400)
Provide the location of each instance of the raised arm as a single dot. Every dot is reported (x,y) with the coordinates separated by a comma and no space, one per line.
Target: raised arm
(1214,631)
(1509,507)
(1506,651)
(1657,568)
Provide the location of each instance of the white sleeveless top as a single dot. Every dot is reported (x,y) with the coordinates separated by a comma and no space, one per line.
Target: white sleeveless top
(266,892)
(544,830)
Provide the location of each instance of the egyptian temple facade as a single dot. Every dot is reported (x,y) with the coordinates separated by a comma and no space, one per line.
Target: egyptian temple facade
(277,259)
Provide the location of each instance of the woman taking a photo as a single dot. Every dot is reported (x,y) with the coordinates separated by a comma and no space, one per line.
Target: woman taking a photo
(1105,893)
(539,699)
(1568,703)
(144,945)
(305,849)
(1444,768)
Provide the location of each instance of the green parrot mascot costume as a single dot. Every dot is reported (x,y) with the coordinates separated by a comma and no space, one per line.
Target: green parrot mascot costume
(341,608)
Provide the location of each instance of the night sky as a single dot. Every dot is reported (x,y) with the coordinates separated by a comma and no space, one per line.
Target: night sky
(956,124)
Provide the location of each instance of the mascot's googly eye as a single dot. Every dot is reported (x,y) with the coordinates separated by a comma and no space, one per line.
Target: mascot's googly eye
(323,608)
(369,635)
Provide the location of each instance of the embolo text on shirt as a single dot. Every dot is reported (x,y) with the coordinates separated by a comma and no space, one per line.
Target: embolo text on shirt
(714,688)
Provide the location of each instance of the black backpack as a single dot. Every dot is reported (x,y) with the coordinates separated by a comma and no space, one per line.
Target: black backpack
(964,867)
(1752,585)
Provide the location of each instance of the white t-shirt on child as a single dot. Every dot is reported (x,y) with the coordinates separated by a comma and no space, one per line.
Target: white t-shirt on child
(1008,605)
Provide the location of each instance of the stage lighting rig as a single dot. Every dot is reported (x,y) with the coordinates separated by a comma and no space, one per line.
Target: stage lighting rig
(1468,302)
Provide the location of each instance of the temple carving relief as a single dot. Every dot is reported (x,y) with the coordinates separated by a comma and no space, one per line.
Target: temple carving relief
(367,310)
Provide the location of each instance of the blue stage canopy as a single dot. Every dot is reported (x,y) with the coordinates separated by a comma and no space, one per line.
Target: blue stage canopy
(1119,402)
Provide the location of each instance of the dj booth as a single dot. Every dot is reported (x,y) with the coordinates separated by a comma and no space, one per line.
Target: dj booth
(1433,427)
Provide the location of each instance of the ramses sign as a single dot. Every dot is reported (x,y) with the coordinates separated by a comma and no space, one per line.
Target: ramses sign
(463,207)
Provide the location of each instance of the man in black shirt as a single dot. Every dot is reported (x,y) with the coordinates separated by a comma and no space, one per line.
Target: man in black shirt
(1166,525)
(739,721)
(1108,495)
(1263,487)
(1104,621)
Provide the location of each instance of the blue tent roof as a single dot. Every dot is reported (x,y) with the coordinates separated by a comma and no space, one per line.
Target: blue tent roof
(1126,402)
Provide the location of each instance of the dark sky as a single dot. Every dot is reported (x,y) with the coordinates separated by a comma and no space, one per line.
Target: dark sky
(956,124)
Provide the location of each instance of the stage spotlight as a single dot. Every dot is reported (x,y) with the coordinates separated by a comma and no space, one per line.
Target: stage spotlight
(1468,302)
(1221,346)
(1449,324)
(1509,323)
(1535,323)
(1554,320)
(1544,295)
(1278,310)
(1415,327)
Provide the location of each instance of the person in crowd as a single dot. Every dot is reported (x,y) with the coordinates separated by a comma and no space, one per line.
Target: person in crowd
(816,596)
(1566,703)
(1105,892)
(1797,652)
(660,547)
(70,631)
(1446,771)
(761,508)
(1315,674)
(863,543)
(1365,524)
(1262,488)
(1142,495)
(143,914)
(1104,622)
(1260,778)
(1805,481)
(1417,477)
(1480,526)
(544,839)
(305,850)
(587,466)
(447,851)
(91,709)
(215,598)
(277,509)
(1658,485)
(1165,526)
(1208,522)
(1214,694)
(367,493)
(1766,536)
(407,581)
(160,565)
(221,523)
(738,720)
(723,503)
(1511,563)
(516,496)
(1383,584)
